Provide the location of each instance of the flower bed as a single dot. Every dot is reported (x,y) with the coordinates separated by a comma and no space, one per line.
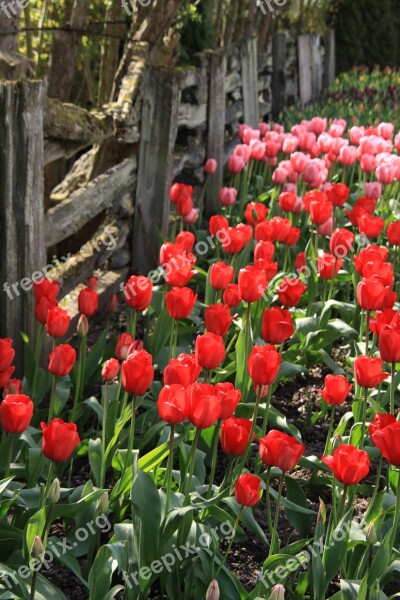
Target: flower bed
(140,464)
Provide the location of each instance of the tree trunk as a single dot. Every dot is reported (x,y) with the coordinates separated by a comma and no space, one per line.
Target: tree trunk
(64,52)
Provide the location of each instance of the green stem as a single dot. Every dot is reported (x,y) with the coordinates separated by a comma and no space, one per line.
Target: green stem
(367,334)
(9,454)
(128,456)
(192,457)
(330,430)
(253,427)
(49,481)
(266,413)
(392,385)
(104,437)
(124,403)
(343,502)
(133,323)
(375,488)
(168,473)
(52,397)
(364,418)
(268,500)
(396,516)
(79,379)
(235,527)
(276,519)
(214,457)
(246,344)
(332,280)
(38,349)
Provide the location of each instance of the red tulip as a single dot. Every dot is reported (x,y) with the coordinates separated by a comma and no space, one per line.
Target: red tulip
(264,249)
(217,318)
(172,404)
(265,231)
(381,420)
(179,270)
(110,369)
(210,350)
(44,288)
(292,237)
(185,240)
(180,302)
(393,233)
(182,196)
(341,242)
(57,322)
(247,490)
(204,405)
(370,254)
(255,213)
(280,229)
(62,360)
(278,449)
(387,440)
(42,308)
(300,262)
(16,412)
(7,353)
(348,464)
(138,292)
(237,238)
(263,364)
(235,436)
(137,373)
(112,304)
(336,389)
(125,341)
(290,291)
(252,284)
(231,295)
(371,293)
(5,376)
(217,224)
(229,397)
(389,345)
(385,319)
(287,201)
(338,193)
(370,226)
(221,275)
(88,301)
(59,440)
(277,325)
(368,372)
(183,370)
(320,211)
(329,266)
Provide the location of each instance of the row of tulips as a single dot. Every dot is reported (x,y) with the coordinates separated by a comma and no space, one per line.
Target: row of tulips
(222,334)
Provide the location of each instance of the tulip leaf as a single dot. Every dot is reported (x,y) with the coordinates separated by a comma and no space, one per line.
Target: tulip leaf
(295,494)
(95,459)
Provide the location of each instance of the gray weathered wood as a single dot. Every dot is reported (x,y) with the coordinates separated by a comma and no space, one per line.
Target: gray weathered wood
(305,69)
(216,127)
(159,120)
(330,61)
(9,22)
(22,247)
(249,67)
(278,74)
(15,66)
(69,216)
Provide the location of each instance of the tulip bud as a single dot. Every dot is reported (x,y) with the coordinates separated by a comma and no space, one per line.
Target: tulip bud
(54,492)
(277,593)
(37,548)
(104,503)
(213,591)
(337,441)
(112,304)
(322,512)
(83,326)
(372,538)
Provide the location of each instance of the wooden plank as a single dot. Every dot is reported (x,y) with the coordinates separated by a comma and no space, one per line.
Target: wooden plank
(278,74)
(249,68)
(69,216)
(22,247)
(216,127)
(305,69)
(330,58)
(159,124)
(69,122)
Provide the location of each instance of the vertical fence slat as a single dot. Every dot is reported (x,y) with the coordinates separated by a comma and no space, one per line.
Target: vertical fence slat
(249,64)
(305,69)
(159,125)
(330,66)
(216,127)
(278,74)
(22,240)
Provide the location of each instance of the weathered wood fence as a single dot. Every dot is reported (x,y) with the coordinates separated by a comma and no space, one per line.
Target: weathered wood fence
(164,125)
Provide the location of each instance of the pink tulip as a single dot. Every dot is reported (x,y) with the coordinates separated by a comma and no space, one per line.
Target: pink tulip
(298,161)
(236,164)
(279,176)
(348,155)
(211,166)
(386,130)
(373,189)
(385,174)
(368,163)
(318,125)
(227,196)
(356,133)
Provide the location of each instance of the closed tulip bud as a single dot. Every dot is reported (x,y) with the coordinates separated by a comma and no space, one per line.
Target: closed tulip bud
(277,592)
(88,301)
(110,369)
(83,326)
(321,518)
(62,360)
(211,166)
(37,548)
(337,441)
(104,503)
(372,538)
(57,322)
(213,591)
(54,492)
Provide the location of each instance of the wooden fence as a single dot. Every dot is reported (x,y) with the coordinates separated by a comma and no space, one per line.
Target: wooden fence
(164,125)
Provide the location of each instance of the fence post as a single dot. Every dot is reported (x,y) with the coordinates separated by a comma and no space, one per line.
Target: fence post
(278,74)
(159,125)
(216,127)
(330,66)
(305,69)
(22,242)
(249,67)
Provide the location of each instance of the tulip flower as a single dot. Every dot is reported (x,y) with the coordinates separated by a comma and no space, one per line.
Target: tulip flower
(182,196)
(14,386)
(88,301)
(229,397)
(204,405)
(59,440)
(217,319)
(7,354)
(247,490)
(231,295)
(368,371)
(277,325)
(227,196)
(124,342)
(183,370)
(235,435)
(110,369)
(393,233)
(263,364)
(209,350)
(16,412)
(290,291)
(336,389)
(221,275)
(348,464)
(62,360)
(278,449)
(57,322)
(137,373)
(180,302)
(112,304)
(138,295)
(185,240)
(389,348)
(256,212)
(252,284)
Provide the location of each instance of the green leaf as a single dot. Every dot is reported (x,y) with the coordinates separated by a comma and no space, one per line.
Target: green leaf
(295,494)
(95,459)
